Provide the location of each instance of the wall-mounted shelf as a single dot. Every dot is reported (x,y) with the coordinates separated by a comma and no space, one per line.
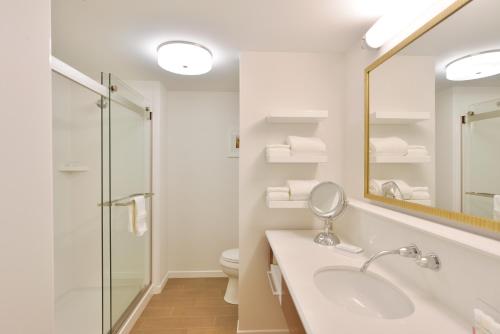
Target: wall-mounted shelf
(73,168)
(298,159)
(394,159)
(287,204)
(305,116)
(398,117)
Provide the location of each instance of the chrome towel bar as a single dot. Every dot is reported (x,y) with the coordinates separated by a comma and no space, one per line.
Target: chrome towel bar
(479,194)
(120,201)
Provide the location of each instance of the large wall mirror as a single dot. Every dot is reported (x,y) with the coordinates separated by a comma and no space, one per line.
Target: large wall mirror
(433,118)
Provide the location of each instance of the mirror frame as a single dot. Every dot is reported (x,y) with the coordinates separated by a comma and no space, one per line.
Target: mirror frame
(462,218)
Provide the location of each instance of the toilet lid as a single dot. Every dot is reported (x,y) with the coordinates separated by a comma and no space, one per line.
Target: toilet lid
(231,255)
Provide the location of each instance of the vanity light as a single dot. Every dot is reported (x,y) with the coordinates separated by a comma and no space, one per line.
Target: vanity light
(401,15)
(184,58)
(476,66)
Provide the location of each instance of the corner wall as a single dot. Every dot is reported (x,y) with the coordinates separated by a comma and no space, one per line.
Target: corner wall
(199,180)
(26,283)
(270,81)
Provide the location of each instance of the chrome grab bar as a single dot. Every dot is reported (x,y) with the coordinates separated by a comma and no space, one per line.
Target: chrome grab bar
(479,194)
(119,201)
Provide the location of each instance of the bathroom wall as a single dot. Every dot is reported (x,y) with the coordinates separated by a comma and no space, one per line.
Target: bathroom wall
(199,180)
(270,81)
(26,171)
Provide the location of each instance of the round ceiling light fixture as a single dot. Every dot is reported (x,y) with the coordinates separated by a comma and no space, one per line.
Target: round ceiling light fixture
(186,58)
(475,66)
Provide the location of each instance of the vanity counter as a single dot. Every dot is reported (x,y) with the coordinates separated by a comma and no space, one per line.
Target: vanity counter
(299,258)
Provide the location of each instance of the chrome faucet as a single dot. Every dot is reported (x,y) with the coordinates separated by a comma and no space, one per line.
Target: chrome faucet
(430,261)
(390,189)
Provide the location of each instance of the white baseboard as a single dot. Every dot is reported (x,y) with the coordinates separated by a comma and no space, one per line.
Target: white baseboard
(159,287)
(260,331)
(136,313)
(195,274)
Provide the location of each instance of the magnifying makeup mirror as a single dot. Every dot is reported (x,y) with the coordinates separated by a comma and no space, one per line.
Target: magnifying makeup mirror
(327,201)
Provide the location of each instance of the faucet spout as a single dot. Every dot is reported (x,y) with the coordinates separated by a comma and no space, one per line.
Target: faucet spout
(376,256)
(408,251)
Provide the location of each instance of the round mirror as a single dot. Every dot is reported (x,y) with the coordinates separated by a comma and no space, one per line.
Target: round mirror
(327,200)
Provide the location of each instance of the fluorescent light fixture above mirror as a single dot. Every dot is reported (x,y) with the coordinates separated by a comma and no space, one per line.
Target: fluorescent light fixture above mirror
(400,16)
(186,58)
(476,66)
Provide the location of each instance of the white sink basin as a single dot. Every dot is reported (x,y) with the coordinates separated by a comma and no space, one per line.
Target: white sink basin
(363,293)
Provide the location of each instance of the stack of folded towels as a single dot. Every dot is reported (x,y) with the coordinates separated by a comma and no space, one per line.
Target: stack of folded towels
(396,147)
(296,146)
(408,193)
(295,190)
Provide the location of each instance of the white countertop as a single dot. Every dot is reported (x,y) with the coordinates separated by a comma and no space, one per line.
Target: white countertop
(299,258)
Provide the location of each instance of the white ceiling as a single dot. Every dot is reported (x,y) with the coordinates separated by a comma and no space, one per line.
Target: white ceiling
(121,36)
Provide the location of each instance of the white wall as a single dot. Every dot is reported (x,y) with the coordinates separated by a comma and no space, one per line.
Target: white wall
(26,286)
(199,181)
(279,81)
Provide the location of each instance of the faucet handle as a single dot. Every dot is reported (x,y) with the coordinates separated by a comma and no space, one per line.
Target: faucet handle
(430,261)
(410,251)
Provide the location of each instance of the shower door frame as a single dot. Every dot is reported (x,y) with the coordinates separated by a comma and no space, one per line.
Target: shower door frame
(465,120)
(104,92)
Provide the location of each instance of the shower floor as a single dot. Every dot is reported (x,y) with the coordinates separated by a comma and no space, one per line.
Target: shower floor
(79,311)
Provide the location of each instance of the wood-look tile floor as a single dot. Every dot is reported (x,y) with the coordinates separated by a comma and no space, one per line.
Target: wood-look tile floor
(189,306)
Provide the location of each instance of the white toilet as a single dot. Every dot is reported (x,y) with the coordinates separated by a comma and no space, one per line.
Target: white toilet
(230,260)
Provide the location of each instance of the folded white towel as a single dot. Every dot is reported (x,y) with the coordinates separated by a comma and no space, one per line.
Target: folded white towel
(420,195)
(420,201)
(496,207)
(417,150)
(138,216)
(278,196)
(305,144)
(376,186)
(388,146)
(420,189)
(300,189)
(278,189)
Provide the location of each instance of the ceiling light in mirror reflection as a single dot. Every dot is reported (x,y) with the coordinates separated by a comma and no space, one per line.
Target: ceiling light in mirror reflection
(396,19)
(184,58)
(477,66)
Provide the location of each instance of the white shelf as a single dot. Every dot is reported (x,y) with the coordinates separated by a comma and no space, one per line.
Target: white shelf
(73,168)
(398,117)
(420,201)
(287,204)
(298,159)
(394,159)
(305,116)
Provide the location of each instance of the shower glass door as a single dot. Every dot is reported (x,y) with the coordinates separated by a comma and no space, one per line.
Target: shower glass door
(480,158)
(128,261)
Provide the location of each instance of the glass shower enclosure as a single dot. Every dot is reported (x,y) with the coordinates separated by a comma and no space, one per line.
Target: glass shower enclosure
(480,159)
(102,175)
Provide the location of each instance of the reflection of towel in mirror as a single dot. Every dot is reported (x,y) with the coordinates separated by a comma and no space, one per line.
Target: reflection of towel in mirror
(496,207)
(300,189)
(417,150)
(388,146)
(138,216)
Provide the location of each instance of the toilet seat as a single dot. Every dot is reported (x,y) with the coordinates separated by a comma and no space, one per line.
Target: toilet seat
(231,255)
